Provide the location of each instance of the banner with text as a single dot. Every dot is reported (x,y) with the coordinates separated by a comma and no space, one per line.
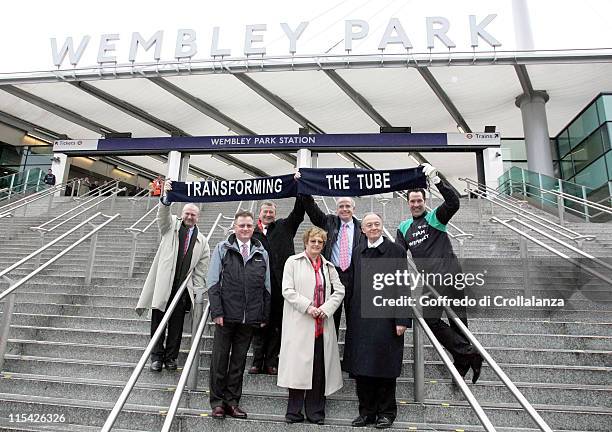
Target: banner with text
(314,181)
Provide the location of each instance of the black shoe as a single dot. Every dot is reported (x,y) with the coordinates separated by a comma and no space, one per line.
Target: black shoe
(292,418)
(476,365)
(156,366)
(319,422)
(170,364)
(361,421)
(462,369)
(383,423)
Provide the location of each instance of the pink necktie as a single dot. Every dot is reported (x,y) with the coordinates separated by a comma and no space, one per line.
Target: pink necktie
(245,251)
(344,248)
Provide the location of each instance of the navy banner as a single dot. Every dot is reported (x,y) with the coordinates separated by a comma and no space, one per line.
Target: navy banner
(326,182)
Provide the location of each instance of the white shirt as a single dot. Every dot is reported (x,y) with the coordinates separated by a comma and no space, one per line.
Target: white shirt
(376,243)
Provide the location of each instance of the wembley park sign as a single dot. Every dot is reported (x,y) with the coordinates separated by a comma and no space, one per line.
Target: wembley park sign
(187,46)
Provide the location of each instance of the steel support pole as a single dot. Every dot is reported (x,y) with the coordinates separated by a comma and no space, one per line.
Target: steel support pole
(198,311)
(5,323)
(525,264)
(419,363)
(10,190)
(586,208)
(91,260)
(133,254)
(560,203)
(524,183)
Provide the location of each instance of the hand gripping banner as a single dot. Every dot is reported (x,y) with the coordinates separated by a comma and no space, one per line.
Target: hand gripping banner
(313,181)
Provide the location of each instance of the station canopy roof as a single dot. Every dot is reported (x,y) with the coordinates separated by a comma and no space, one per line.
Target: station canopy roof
(328,94)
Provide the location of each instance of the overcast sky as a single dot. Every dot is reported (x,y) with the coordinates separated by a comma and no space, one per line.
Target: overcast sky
(28,25)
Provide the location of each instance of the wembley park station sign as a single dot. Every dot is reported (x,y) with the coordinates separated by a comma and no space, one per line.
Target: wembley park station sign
(187,46)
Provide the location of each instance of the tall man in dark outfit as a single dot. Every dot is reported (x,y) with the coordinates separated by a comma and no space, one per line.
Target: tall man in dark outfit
(49,178)
(182,249)
(276,236)
(424,235)
(343,234)
(374,343)
(239,297)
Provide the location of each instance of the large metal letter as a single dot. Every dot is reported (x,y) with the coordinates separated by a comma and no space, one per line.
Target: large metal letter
(107,47)
(294,35)
(439,32)
(400,38)
(68,48)
(250,37)
(185,38)
(156,40)
(214,48)
(350,36)
(478,30)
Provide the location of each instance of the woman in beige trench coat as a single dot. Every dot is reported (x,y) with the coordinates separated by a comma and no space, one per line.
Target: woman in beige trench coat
(309,362)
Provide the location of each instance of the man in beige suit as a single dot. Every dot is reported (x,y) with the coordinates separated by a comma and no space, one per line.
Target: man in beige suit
(183,248)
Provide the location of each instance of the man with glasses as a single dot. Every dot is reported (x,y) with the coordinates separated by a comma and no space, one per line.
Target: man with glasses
(239,297)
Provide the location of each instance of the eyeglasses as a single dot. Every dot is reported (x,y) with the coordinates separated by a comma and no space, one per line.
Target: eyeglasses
(316,241)
(243,226)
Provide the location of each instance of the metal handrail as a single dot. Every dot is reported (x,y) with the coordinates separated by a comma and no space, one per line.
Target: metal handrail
(482,416)
(101,189)
(132,228)
(555,251)
(482,351)
(8,310)
(6,210)
(135,233)
(584,202)
(48,230)
(140,195)
(129,386)
(327,209)
(193,352)
(542,221)
(161,329)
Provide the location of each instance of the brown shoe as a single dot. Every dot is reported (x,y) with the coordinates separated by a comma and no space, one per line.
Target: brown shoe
(218,412)
(236,412)
(272,371)
(254,370)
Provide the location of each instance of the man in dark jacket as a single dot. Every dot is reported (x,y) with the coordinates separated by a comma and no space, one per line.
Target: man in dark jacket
(424,235)
(343,233)
(49,178)
(276,236)
(239,296)
(374,342)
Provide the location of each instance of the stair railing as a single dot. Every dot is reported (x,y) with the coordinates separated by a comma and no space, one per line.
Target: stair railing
(496,198)
(200,317)
(142,195)
(9,306)
(8,209)
(43,229)
(136,232)
(419,360)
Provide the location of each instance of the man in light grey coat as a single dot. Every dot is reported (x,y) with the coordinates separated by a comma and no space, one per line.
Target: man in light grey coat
(183,248)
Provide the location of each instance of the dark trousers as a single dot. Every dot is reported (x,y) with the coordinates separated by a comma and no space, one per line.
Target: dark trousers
(174,329)
(450,336)
(345,278)
(266,346)
(312,400)
(376,397)
(230,345)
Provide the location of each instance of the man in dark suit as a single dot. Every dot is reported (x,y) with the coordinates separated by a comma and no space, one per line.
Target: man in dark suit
(374,343)
(276,236)
(343,233)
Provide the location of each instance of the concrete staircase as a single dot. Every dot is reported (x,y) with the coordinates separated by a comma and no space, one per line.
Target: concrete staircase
(72,347)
